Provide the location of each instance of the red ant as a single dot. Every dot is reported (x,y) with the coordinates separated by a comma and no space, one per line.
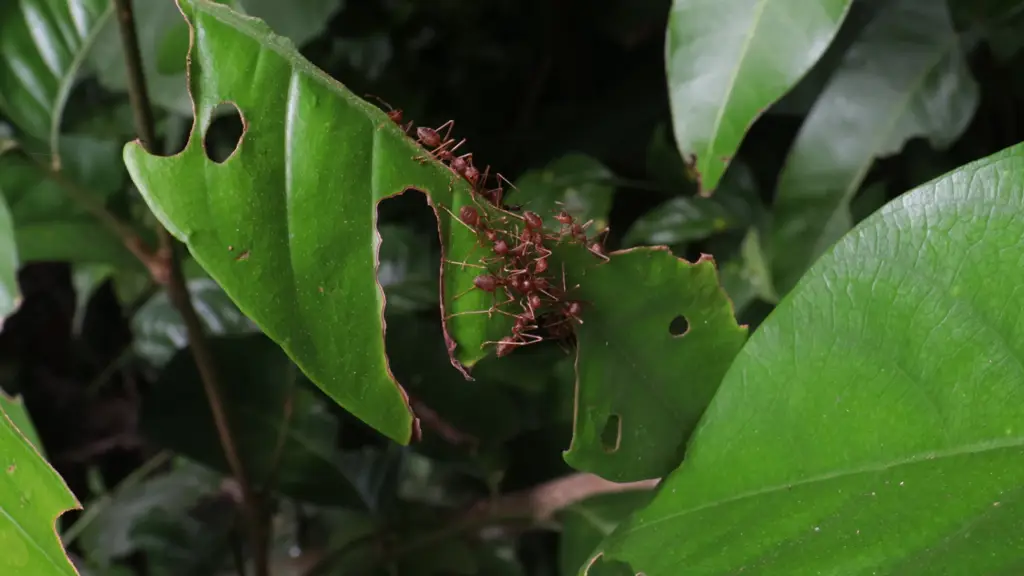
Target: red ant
(394,114)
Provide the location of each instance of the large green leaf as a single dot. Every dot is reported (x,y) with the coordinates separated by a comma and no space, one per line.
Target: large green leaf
(906,76)
(32,496)
(49,224)
(657,338)
(585,524)
(287,224)
(872,425)
(42,46)
(164,41)
(728,60)
(284,433)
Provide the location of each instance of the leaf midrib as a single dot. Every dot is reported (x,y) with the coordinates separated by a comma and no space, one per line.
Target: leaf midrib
(731,86)
(977,448)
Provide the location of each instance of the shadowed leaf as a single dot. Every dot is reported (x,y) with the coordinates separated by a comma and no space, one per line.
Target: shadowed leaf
(42,45)
(657,337)
(906,76)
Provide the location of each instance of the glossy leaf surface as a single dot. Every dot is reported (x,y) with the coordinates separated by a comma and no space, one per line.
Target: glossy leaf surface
(32,496)
(42,46)
(728,60)
(644,375)
(873,422)
(287,224)
(906,76)
(285,434)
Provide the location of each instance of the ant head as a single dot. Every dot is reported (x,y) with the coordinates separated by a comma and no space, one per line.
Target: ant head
(472,175)
(573,308)
(505,347)
(428,136)
(533,220)
(535,301)
(469,215)
(486,282)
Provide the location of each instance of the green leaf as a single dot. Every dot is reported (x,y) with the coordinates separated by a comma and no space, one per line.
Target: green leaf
(10,296)
(164,43)
(32,496)
(576,183)
(728,60)
(906,76)
(873,423)
(643,380)
(689,218)
(287,225)
(747,276)
(48,223)
(15,410)
(284,433)
(139,517)
(585,524)
(160,332)
(42,46)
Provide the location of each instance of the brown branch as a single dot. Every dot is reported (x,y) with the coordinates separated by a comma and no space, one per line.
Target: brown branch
(178,292)
(90,203)
(534,507)
(447,431)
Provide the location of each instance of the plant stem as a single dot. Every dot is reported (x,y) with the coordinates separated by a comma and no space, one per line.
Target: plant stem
(89,202)
(177,290)
(533,506)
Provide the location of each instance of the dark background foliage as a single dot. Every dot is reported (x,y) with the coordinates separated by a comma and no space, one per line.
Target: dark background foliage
(527,83)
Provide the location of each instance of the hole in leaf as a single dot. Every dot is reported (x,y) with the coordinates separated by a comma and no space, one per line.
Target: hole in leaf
(679,326)
(224,134)
(611,436)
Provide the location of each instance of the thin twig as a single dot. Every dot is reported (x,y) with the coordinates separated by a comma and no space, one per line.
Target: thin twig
(447,431)
(179,296)
(534,506)
(91,204)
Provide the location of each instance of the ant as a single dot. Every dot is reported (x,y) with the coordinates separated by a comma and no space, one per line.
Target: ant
(394,114)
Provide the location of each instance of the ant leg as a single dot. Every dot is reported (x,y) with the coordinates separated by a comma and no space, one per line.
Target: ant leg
(456,218)
(464,264)
(449,125)
(495,307)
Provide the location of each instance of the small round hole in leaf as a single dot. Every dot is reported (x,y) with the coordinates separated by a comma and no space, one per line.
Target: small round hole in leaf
(679,326)
(611,435)
(225,133)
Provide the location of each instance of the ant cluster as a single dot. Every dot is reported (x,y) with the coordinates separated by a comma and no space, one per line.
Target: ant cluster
(518,268)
